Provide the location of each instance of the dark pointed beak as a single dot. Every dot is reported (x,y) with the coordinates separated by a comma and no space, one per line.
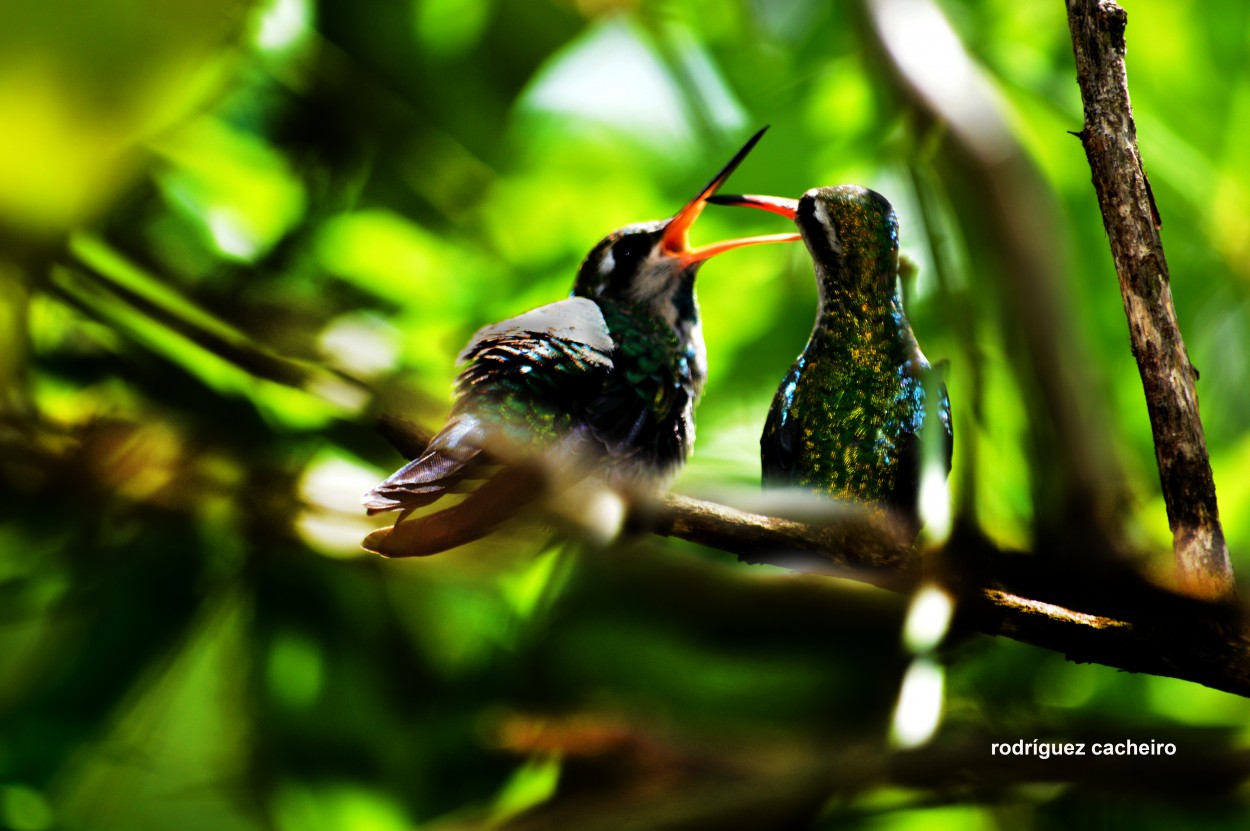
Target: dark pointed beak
(774,204)
(676,240)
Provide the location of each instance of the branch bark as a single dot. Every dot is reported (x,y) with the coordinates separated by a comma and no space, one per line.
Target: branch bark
(1131,220)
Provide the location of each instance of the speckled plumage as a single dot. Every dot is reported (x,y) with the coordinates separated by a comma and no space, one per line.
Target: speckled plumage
(848,418)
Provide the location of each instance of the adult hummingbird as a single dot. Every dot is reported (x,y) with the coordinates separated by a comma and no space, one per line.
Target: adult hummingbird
(849,417)
(602,382)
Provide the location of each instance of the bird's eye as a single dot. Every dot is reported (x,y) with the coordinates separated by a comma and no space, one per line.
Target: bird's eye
(624,260)
(629,251)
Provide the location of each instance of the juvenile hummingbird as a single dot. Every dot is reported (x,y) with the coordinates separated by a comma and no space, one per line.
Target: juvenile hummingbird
(849,417)
(602,382)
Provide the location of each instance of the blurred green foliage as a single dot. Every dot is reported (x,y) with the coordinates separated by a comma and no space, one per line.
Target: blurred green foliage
(230,234)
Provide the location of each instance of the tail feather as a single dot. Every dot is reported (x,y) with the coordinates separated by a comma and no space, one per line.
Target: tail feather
(496,501)
(447,460)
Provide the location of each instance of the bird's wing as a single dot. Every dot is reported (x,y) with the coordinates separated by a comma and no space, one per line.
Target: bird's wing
(522,376)
(618,374)
(780,441)
(911,443)
(531,376)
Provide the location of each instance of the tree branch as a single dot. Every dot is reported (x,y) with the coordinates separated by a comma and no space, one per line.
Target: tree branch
(1132,223)
(1134,626)
(1092,614)
(859,545)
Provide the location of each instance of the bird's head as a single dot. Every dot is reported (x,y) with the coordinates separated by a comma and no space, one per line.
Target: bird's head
(652,266)
(850,231)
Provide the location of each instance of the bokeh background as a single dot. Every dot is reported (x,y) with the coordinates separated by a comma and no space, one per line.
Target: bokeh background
(232,234)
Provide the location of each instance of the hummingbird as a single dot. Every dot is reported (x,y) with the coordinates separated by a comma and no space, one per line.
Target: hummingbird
(604,382)
(848,419)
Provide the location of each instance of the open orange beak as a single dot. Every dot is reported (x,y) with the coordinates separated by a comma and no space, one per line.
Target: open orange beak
(774,204)
(676,240)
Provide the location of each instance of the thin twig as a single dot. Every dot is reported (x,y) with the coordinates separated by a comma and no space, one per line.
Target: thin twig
(1131,219)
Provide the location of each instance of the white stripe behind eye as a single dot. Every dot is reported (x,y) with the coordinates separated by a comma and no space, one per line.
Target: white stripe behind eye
(826,221)
(607,264)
